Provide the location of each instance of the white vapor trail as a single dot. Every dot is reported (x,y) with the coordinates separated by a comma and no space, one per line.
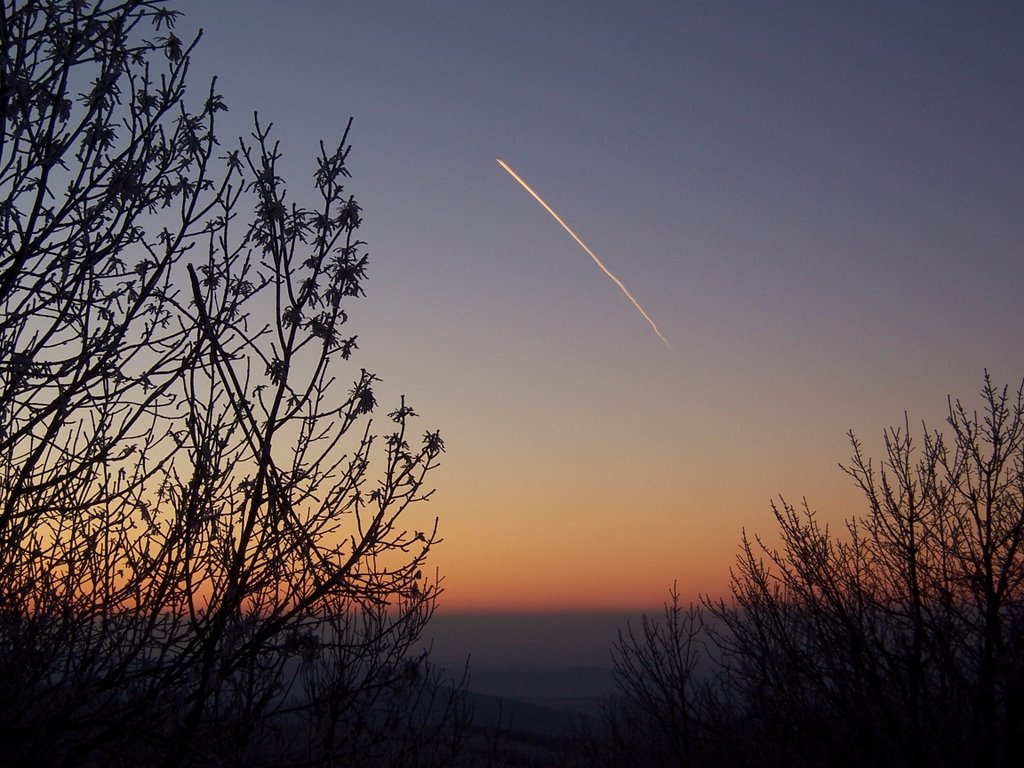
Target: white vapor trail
(583,245)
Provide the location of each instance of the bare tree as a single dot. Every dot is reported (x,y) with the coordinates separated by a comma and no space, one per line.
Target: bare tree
(203,542)
(655,667)
(897,640)
(663,704)
(901,641)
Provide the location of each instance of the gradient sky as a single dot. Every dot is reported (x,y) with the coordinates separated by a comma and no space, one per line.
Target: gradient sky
(820,204)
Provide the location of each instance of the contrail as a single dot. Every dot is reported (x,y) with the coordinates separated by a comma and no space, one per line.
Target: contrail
(583,245)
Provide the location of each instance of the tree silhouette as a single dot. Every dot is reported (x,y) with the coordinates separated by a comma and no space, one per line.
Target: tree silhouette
(205,548)
(898,640)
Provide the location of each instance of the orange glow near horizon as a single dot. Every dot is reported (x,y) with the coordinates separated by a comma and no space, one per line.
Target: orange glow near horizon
(558,566)
(575,532)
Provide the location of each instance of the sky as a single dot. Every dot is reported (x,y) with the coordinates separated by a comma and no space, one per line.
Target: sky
(819,204)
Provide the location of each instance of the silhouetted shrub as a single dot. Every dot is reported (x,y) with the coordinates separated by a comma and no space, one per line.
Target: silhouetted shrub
(206,554)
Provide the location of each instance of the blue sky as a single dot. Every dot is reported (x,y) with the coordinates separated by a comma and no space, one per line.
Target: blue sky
(820,204)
